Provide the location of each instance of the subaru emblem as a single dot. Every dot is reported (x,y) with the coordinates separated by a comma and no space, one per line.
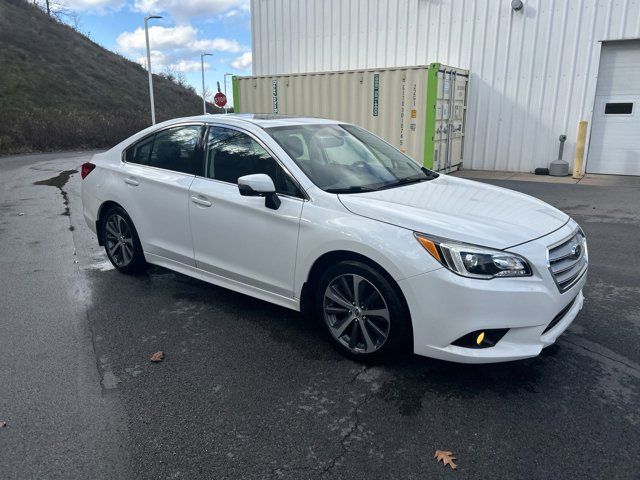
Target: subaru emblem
(576,250)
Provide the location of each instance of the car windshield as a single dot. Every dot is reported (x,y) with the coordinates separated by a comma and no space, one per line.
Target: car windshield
(347,159)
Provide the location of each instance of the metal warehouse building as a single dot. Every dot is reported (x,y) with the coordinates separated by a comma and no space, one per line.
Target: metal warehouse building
(534,72)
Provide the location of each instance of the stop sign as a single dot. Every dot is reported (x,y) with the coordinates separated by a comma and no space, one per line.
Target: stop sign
(219,99)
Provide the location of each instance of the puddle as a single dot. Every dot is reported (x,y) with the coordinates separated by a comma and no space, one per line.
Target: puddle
(59,181)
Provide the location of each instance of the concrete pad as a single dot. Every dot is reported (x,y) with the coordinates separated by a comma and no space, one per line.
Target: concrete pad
(489,174)
(530,177)
(588,179)
(610,180)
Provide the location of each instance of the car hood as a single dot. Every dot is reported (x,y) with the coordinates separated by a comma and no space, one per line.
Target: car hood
(461,210)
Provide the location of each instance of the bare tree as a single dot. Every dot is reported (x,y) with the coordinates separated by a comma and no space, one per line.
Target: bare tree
(73,19)
(169,73)
(181,79)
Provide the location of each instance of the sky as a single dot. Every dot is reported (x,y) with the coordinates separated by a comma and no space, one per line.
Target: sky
(187,29)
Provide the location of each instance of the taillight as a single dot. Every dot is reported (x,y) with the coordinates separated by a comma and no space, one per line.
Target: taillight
(86,169)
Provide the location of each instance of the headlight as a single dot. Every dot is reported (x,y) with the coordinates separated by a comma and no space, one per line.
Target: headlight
(472,261)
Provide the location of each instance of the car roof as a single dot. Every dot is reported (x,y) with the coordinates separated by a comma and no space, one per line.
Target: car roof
(263,120)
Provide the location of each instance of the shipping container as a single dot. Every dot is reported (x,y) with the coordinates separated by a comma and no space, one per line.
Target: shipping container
(420,110)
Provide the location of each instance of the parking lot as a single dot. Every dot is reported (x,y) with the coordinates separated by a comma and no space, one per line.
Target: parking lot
(250,390)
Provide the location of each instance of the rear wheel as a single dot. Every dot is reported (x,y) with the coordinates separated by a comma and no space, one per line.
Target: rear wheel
(121,241)
(362,311)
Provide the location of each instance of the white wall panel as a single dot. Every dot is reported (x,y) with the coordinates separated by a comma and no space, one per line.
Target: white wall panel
(533,72)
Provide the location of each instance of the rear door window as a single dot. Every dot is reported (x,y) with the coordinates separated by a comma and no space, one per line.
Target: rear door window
(176,149)
(139,153)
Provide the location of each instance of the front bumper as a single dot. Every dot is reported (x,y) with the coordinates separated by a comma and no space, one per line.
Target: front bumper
(445,306)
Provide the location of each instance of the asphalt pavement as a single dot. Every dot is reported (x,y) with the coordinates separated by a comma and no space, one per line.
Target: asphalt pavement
(249,390)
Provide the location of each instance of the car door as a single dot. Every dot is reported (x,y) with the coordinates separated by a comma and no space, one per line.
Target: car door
(237,236)
(157,173)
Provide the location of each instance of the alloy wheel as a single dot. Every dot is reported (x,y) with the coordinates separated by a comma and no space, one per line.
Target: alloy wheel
(356,313)
(119,240)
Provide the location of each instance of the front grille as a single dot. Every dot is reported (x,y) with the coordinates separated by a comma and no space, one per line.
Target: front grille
(568,261)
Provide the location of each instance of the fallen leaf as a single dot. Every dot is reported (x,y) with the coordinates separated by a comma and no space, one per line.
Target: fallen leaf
(446,457)
(3,424)
(157,357)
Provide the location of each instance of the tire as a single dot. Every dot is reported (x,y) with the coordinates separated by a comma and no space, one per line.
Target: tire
(121,241)
(364,334)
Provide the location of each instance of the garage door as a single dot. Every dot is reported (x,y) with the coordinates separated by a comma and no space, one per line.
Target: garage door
(615,134)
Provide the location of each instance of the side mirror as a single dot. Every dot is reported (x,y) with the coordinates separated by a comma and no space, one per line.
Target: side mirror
(260,185)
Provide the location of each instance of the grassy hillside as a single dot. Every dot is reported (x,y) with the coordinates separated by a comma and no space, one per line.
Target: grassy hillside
(60,90)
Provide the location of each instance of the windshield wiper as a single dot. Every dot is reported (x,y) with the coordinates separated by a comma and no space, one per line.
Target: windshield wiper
(382,186)
(406,181)
(354,189)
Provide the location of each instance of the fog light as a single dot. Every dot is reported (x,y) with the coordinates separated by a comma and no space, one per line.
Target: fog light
(481,338)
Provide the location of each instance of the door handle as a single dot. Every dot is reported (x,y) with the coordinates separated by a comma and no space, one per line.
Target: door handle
(131,181)
(198,200)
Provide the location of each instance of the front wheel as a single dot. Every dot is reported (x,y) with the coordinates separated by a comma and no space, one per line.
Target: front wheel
(362,311)
(121,242)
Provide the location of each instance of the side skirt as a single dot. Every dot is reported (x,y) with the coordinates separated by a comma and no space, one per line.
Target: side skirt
(292,303)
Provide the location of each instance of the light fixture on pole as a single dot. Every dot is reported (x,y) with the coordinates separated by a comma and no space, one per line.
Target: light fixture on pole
(204,102)
(146,35)
(226,107)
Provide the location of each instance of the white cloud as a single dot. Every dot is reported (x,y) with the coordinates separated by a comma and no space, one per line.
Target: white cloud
(183,9)
(180,38)
(174,47)
(158,60)
(217,45)
(188,66)
(243,62)
(160,38)
(98,6)
(161,62)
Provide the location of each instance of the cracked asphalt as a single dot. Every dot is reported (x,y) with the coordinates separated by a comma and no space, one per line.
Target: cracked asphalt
(253,391)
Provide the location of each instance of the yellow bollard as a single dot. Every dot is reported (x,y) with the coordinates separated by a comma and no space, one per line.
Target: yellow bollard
(578,155)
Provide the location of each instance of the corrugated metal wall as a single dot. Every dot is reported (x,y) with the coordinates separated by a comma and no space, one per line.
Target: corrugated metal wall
(532,73)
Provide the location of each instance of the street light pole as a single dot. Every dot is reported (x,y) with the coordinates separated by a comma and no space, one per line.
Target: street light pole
(204,102)
(146,35)
(226,108)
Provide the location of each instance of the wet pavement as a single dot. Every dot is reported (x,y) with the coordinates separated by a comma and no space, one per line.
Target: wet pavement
(251,390)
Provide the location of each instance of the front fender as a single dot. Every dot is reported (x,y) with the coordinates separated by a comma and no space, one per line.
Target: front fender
(325,230)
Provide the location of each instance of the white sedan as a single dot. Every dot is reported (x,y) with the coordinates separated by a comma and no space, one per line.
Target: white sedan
(325,217)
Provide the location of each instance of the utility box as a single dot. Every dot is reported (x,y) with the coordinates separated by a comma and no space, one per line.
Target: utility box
(421,110)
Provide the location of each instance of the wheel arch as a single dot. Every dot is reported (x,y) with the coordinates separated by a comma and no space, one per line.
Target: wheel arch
(102,210)
(331,258)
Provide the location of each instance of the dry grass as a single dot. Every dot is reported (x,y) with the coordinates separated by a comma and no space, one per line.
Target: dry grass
(53,129)
(60,90)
